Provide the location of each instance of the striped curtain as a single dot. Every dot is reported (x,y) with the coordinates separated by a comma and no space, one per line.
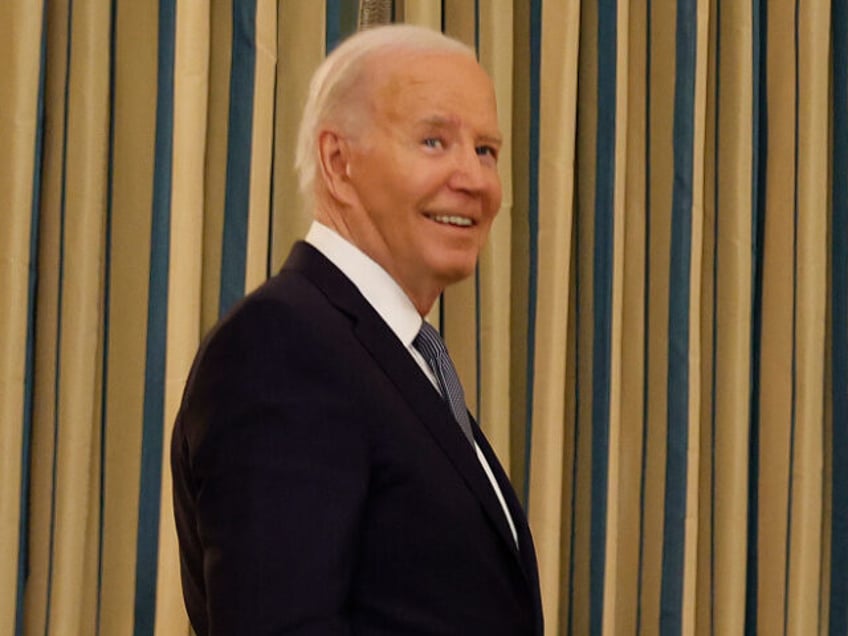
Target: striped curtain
(655,340)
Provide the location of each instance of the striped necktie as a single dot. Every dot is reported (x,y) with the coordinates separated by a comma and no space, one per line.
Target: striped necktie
(429,343)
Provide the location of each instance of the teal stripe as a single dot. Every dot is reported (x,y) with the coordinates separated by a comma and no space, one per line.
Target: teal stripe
(332,25)
(674,530)
(59,304)
(794,365)
(107,314)
(341,19)
(603,262)
(477,27)
(147,547)
(839,321)
(759,11)
(239,152)
(646,300)
(29,372)
(533,233)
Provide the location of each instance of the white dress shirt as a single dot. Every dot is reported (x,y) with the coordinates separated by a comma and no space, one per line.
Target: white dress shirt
(395,308)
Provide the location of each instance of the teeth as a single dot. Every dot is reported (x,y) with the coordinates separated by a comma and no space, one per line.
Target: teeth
(453,220)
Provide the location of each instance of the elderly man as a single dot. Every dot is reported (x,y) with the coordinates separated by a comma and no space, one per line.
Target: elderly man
(328,478)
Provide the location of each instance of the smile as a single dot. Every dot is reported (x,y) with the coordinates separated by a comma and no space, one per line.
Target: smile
(459,221)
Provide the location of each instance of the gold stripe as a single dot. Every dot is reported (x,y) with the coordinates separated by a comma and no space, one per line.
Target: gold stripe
(35,599)
(421,12)
(662,53)
(460,333)
(495,272)
(136,51)
(220,60)
(191,89)
(459,20)
(558,91)
(827,475)
(520,240)
(20,74)
(301,49)
(76,493)
(632,325)
(733,344)
(262,137)
(811,285)
(776,381)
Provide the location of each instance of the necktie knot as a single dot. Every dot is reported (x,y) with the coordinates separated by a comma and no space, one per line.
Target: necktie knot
(430,344)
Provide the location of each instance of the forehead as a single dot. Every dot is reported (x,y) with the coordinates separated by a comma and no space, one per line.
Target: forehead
(412,88)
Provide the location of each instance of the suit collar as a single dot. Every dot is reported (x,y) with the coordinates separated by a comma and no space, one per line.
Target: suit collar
(377,286)
(401,369)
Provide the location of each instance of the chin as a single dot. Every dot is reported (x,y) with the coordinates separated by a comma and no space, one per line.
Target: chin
(457,272)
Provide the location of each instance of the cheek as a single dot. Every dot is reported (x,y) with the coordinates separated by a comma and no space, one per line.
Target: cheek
(494,198)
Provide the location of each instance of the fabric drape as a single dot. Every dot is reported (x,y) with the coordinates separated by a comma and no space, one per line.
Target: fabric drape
(655,340)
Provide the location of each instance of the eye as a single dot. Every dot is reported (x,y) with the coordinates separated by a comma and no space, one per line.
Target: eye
(433,142)
(487,151)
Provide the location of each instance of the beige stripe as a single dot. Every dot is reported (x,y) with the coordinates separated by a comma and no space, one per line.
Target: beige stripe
(136,51)
(191,70)
(495,272)
(220,60)
(422,12)
(733,316)
(21,50)
(261,144)
(633,326)
(300,38)
(460,302)
(558,91)
(811,285)
(77,522)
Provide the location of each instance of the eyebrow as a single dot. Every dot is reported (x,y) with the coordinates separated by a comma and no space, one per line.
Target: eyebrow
(439,121)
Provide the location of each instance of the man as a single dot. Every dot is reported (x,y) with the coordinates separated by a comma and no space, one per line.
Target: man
(322,483)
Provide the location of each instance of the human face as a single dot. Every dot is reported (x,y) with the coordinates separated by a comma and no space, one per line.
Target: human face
(424,171)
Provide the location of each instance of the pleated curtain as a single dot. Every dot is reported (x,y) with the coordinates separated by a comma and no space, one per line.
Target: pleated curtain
(655,340)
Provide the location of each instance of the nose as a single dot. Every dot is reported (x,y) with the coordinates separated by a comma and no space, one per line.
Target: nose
(469,174)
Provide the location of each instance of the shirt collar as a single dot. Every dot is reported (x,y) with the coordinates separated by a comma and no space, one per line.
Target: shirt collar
(380,290)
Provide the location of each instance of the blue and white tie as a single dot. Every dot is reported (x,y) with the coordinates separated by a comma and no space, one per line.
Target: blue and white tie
(429,343)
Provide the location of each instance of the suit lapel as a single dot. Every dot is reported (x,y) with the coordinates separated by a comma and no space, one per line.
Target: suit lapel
(527,552)
(376,336)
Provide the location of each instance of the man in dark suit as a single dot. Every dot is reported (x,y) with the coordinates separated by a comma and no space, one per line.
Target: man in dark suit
(327,476)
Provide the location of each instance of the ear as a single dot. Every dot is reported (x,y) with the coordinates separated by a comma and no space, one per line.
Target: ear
(334,159)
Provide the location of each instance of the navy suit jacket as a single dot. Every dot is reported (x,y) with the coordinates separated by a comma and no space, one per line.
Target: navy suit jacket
(322,486)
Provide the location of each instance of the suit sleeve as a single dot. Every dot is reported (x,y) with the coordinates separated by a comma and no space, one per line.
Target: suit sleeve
(279,469)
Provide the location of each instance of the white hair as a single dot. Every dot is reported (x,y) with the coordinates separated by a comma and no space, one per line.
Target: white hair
(341,72)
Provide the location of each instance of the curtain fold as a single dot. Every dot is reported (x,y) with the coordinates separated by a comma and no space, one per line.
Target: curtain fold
(22,83)
(654,341)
